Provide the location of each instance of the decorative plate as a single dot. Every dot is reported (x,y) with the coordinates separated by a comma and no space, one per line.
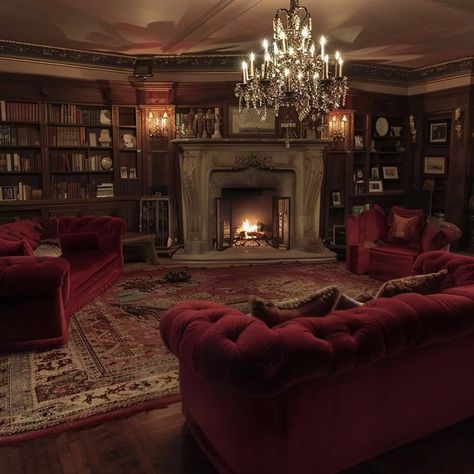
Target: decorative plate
(381,126)
(106,163)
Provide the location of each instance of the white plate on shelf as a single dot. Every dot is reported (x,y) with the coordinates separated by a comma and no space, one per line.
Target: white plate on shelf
(381,126)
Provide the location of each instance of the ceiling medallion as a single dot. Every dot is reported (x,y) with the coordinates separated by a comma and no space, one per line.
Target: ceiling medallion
(295,72)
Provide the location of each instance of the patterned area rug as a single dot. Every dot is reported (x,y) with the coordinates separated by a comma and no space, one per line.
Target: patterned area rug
(116,363)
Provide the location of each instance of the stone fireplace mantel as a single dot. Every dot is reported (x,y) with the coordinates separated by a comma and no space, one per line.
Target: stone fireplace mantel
(208,166)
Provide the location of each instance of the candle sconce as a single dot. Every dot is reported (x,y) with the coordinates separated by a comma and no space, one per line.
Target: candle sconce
(337,125)
(158,126)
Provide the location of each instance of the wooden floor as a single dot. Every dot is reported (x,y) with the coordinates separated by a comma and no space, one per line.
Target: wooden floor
(156,442)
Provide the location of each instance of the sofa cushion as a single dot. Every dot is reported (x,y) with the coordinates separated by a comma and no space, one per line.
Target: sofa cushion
(427,284)
(19,248)
(272,313)
(84,265)
(23,229)
(397,249)
(405,229)
(79,242)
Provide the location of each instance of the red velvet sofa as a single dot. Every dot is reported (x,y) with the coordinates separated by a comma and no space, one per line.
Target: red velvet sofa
(39,294)
(317,395)
(369,251)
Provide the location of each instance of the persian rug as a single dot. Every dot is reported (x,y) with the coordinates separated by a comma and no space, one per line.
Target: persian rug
(116,363)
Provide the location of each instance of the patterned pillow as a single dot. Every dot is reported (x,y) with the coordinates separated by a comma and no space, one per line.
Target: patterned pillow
(422,284)
(50,242)
(405,228)
(272,313)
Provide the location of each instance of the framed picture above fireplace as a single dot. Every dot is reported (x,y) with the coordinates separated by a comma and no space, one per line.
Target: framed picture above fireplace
(247,123)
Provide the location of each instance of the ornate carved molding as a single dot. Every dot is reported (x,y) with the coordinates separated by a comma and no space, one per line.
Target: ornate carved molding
(219,63)
(254,160)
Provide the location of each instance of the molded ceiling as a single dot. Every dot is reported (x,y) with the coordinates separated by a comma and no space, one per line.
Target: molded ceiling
(398,32)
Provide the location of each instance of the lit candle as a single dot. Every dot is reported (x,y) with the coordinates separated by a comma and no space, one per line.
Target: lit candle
(287,79)
(340,66)
(322,42)
(244,71)
(265,46)
(252,61)
(310,24)
(312,50)
(283,40)
(304,34)
(326,66)
(337,56)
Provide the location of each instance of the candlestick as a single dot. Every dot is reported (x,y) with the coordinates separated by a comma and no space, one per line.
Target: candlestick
(311,50)
(326,62)
(287,79)
(265,46)
(252,61)
(322,42)
(244,71)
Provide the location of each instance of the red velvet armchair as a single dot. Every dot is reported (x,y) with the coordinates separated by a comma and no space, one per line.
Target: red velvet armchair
(369,249)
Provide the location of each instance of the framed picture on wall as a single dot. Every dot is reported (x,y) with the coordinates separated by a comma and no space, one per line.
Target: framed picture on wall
(336,198)
(248,123)
(439,132)
(434,165)
(375,187)
(390,172)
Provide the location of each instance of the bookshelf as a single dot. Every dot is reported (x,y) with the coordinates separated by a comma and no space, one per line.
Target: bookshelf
(65,159)
(20,151)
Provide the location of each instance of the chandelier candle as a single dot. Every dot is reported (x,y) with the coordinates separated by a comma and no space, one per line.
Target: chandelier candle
(291,73)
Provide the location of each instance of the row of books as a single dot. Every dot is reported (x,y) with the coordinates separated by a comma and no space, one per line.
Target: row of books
(19,111)
(67,136)
(80,162)
(19,136)
(25,162)
(74,115)
(20,192)
(78,190)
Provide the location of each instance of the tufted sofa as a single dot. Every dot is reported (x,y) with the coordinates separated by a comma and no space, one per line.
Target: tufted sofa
(317,395)
(39,294)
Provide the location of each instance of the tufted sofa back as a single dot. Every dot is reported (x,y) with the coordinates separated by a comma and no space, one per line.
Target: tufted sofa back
(241,353)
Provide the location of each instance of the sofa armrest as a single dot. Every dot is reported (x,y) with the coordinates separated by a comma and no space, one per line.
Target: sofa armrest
(438,235)
(109,229)
(460,267)
(29,276)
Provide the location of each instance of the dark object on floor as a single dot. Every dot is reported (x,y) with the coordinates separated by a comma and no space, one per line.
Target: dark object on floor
(176,276)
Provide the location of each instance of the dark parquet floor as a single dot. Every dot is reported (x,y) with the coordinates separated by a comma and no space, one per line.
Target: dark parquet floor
(156,442)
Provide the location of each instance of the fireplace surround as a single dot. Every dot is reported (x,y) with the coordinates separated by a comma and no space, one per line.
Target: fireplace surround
(209,168)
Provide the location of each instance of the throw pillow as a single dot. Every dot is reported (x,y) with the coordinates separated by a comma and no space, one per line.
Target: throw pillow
(346,302)
(19,248)
(405,225)
(423,284)
(272,313)
(47,250)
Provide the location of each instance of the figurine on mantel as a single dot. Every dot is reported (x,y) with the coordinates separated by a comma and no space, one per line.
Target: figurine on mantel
(217,119)
(210,119)
(199,124)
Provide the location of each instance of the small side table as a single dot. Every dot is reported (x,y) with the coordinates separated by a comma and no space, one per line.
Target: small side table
(146,242)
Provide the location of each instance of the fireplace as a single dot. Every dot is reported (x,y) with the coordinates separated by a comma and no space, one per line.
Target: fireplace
(252,217)
(221,178)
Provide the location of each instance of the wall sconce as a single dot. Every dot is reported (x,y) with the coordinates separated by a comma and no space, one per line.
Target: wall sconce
(337,126)
(158,126)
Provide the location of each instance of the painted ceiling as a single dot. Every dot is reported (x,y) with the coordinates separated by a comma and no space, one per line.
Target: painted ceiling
(411,33)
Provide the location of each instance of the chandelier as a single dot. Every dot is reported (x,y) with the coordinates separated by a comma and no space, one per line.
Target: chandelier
(294,72)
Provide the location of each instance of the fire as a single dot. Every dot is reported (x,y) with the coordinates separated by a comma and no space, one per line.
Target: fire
(247,227)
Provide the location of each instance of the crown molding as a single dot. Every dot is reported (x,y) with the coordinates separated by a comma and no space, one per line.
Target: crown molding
(403,76)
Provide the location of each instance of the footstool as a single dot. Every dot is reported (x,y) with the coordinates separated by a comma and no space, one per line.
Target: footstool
(145,242)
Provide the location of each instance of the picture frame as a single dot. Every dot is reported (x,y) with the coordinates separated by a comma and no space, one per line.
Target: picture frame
(375,187)
(434,165)
(439,132)
(374,173)
(123,172)
(390,172)
(338,234)
(247,123)
(8,193)
(336,198)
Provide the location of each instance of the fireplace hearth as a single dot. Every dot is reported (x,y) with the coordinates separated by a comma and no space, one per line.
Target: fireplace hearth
(225,182)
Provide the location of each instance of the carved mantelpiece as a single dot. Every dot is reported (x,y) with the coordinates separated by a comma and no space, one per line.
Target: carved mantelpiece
(208,166)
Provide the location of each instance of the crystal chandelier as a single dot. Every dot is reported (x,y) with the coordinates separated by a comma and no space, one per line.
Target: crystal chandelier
(294,72)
